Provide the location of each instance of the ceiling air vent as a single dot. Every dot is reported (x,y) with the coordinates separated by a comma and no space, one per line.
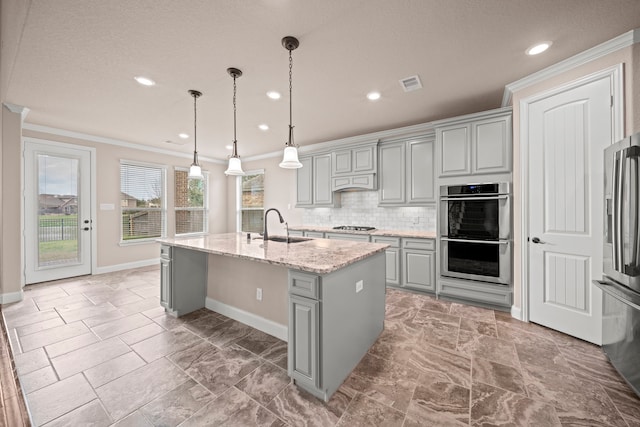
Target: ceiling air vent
(411,83)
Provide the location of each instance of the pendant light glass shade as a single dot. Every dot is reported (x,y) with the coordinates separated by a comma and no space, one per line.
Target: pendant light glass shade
(195,171)
(235,165)
(290,158)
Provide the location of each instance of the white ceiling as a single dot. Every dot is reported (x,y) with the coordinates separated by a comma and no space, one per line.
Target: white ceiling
(76,59)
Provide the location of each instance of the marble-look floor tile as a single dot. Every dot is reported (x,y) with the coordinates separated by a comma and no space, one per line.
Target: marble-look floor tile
(397,341)
(218,370)
(257,342)
(264,383)
(45,303)
(277,354)
(103,318)
(147,291)
(436,394)
(177,405)
(494,406)
(52,335)
(120,326)
(135,389)
(113,368)
(18,319)
(40,326)
(31,361)
(82,313)
(496,374)
(445,336)
(487,347)
(233,408)
(299,408)
(479,327)
(204,326)
(542,352)
(141,334)
(430,360)
(404,299)
(474,313)
(229,332)
(363,411)
(626,401)
(37,379)
(433,304)
(86,357)
(505,320)
(576,401)
(70,344)
(165,343)
(140,306)
(50,402)
(427,417)
(394,313)
(136,419)
(91,414)
(436,319)
(387,382)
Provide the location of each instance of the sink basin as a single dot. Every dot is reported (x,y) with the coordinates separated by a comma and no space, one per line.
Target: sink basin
(293,239)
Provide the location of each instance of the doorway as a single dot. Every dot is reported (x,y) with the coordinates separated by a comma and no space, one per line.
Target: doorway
(564,137)
(57,210)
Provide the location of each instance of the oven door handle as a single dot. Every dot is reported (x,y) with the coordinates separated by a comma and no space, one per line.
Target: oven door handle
(491,242)
(466,198)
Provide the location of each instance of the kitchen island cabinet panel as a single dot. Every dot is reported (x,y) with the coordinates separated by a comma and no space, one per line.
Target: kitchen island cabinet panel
(304,334)
(183,280)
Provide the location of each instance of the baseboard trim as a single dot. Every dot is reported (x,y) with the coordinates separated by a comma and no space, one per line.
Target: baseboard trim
(10,297)
(127,266)
(265,325)
(516,312)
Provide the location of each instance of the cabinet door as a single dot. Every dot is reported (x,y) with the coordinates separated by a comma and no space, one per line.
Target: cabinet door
(492,145)
(421,182)
(347,236)
(392,174)
(165,282)
(363,159)
(341,162)
(454,148)
(393,266)
(304,181)
(322,194)
(419,270)
(304,335)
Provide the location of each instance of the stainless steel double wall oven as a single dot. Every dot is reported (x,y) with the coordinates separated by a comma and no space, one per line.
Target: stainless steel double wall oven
(475,232)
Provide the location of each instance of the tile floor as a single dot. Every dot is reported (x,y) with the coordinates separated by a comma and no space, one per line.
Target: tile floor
(99,351)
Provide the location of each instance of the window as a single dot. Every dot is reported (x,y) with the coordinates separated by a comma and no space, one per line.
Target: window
(191,203)
(250,197)
(142,201)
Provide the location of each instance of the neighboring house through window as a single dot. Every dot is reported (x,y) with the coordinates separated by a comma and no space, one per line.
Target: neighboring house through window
(142,201)
(250,200)
(191,203)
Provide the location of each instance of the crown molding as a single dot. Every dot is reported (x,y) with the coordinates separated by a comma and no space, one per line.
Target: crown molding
(18,109)
(622,41)
(115,142)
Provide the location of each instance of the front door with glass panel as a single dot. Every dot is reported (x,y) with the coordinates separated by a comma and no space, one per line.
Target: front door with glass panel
(57,213)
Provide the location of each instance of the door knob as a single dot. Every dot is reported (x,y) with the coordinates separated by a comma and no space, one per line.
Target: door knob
(86,229)
(536,240)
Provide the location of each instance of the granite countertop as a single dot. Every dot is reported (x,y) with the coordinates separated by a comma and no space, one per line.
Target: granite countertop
(319,256)
(377,232)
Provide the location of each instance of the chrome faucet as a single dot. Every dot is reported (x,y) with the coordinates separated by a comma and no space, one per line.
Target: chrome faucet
(265,234)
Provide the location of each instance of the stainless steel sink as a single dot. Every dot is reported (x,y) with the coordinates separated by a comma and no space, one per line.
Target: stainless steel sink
(293,239)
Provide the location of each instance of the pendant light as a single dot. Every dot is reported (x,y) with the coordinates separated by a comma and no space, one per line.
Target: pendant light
(195,171)
(235,166)
(290,159)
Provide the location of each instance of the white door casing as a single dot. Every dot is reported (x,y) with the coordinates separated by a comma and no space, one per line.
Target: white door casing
(567,130)
(78,261)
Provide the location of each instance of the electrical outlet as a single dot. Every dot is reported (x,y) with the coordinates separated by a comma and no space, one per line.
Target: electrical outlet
(259,294)
(416,220)
(359,285)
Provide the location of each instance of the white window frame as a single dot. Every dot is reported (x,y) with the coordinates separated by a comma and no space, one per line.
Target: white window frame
(239,197)
(163,207)
(205,208)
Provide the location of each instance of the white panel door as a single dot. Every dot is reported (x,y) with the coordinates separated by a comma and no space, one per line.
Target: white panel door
(567,135)
(57,213)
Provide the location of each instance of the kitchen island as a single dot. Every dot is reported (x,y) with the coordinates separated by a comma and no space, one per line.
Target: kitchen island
(324,297)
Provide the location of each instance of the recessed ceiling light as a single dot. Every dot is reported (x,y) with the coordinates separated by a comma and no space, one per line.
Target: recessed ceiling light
(144,81)
(229,147)
(373,96)
(538,48)
(263,127)
(183,135)
(273,94)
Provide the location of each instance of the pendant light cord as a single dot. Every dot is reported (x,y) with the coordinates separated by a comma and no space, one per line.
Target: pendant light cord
(195,133)
(234,114)
(290,87)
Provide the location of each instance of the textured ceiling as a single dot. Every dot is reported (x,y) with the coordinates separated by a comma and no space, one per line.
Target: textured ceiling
(76,60)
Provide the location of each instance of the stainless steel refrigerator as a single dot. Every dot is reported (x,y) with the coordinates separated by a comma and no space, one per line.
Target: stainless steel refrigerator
(621,259)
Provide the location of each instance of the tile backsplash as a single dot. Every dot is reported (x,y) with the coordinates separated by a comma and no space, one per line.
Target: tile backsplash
(361,208)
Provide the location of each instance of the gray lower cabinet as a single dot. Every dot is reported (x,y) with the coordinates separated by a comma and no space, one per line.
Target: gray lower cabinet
(393,258)
(347,236)
(314,234)
(419,264)
(304,336)
(187,270)
(296,233)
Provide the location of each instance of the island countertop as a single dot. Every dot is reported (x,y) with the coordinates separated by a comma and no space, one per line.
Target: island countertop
(319,256)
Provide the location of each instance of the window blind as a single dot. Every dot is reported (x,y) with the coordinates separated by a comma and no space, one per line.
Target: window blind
(142,201)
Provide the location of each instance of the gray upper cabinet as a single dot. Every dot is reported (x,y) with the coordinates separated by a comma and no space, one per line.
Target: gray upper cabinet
(314,183)
(475,144)
(355,167)
(407,172)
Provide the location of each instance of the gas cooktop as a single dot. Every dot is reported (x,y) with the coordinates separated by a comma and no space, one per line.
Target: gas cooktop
(353,228)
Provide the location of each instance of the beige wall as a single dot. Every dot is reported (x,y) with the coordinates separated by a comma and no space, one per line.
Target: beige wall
(279,193)
(107,222)
(630,57)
